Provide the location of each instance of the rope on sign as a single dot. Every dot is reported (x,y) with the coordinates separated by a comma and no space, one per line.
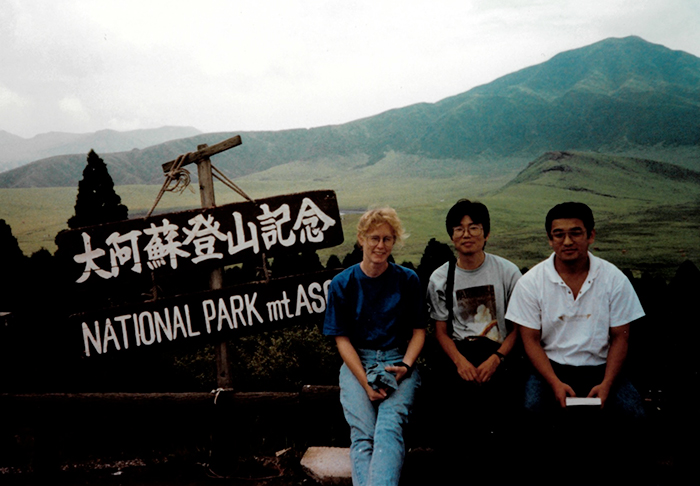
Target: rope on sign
(182,176)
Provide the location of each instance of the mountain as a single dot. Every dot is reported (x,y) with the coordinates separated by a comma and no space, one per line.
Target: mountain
(646,212)
(17,151)
(618,96)
(609,95)
(606,176)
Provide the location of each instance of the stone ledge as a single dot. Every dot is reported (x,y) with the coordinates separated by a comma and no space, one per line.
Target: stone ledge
(328,465)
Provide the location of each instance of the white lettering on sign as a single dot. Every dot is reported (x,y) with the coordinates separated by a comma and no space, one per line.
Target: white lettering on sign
(204,234)
(240,243)
(202,240)
(88,258)
(148,327)
(119,256)
(176,322)
(311,301)
(279,309)
(308,220)
(231,314)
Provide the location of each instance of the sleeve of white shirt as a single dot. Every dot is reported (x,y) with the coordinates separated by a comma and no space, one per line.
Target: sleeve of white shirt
(524,307)
(625,306)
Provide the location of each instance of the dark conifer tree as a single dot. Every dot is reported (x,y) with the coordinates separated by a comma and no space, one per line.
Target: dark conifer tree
(434,255)
(354,257)
(333,262)
(409,265)
(11,252)
(16,293)
(97,203)
(296,263)
(13,269)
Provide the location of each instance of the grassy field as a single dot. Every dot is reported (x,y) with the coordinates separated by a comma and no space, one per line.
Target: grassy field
(650,225)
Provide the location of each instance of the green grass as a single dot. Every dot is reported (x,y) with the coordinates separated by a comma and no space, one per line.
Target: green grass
(36,215)
(651,223)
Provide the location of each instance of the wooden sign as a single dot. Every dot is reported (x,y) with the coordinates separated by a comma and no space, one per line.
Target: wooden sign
(201,238)
(205,153)
(206,316)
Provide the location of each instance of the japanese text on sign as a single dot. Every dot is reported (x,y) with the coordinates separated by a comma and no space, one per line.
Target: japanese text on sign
(223,235)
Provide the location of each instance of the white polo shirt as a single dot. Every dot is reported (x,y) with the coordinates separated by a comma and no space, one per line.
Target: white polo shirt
(575,332)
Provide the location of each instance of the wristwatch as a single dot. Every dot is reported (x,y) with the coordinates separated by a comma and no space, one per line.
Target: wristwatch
(501,356)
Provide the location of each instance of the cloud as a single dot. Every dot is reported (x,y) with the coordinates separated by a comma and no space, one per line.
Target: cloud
(268,65)
(74,108)
(10,100)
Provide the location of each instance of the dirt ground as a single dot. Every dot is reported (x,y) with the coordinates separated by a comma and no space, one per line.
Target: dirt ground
(668,445)
(423,467)
(284,470)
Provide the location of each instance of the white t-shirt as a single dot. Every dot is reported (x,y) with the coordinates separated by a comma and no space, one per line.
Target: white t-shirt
(479,299)
(574,331)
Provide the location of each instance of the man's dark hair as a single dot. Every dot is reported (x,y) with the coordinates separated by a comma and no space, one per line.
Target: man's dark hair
(570,210)
(475,210)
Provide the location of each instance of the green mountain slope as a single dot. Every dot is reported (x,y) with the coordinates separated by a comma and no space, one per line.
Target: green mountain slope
(647,212)
(616,96)
(621,178)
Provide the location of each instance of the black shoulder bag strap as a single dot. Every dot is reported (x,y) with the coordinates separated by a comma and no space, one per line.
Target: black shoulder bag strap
(449,291)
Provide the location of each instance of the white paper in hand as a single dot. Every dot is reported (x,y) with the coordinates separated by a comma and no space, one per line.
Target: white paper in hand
(576,401)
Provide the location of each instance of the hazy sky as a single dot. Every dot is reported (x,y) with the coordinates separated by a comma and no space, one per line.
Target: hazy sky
(227,65)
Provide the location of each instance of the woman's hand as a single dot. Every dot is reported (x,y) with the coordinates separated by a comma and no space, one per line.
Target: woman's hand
(375,395)
(399,372)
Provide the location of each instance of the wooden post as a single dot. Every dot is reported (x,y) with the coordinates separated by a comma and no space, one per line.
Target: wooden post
(206,153)
(216,278)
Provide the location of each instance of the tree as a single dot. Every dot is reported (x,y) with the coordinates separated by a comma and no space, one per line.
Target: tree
(409,265)
(434,255)
(13,269)
(354,257)
(96,203)
(11,252)
(296,263)
(333,262)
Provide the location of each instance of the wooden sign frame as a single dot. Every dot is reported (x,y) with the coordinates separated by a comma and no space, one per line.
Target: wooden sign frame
(204,317)
(202,238)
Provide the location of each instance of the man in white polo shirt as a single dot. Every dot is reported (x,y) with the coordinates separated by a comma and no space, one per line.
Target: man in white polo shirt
(574,312)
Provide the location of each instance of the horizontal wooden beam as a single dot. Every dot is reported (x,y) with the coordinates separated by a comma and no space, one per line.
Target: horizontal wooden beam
(205,153)
(308,392)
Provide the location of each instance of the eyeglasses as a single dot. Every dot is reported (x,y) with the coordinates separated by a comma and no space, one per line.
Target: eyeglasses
(374,240)
(472,229)
(574,234)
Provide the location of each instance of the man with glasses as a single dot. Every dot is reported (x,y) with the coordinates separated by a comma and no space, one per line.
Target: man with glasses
(467,299)
(574,312)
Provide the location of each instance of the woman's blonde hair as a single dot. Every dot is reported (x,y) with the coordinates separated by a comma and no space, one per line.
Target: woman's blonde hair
(376,217)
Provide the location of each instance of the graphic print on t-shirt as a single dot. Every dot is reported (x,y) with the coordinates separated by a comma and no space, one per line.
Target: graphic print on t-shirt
(476,309)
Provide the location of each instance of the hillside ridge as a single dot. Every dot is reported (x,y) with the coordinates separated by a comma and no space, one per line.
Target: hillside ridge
(18,151)
(619,95)
(609,176)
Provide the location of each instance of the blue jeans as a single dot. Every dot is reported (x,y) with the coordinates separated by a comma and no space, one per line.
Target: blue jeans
(579,440)
(377,447)
(624,400)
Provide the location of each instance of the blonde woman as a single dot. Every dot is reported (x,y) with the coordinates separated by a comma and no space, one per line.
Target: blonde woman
(375,313)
